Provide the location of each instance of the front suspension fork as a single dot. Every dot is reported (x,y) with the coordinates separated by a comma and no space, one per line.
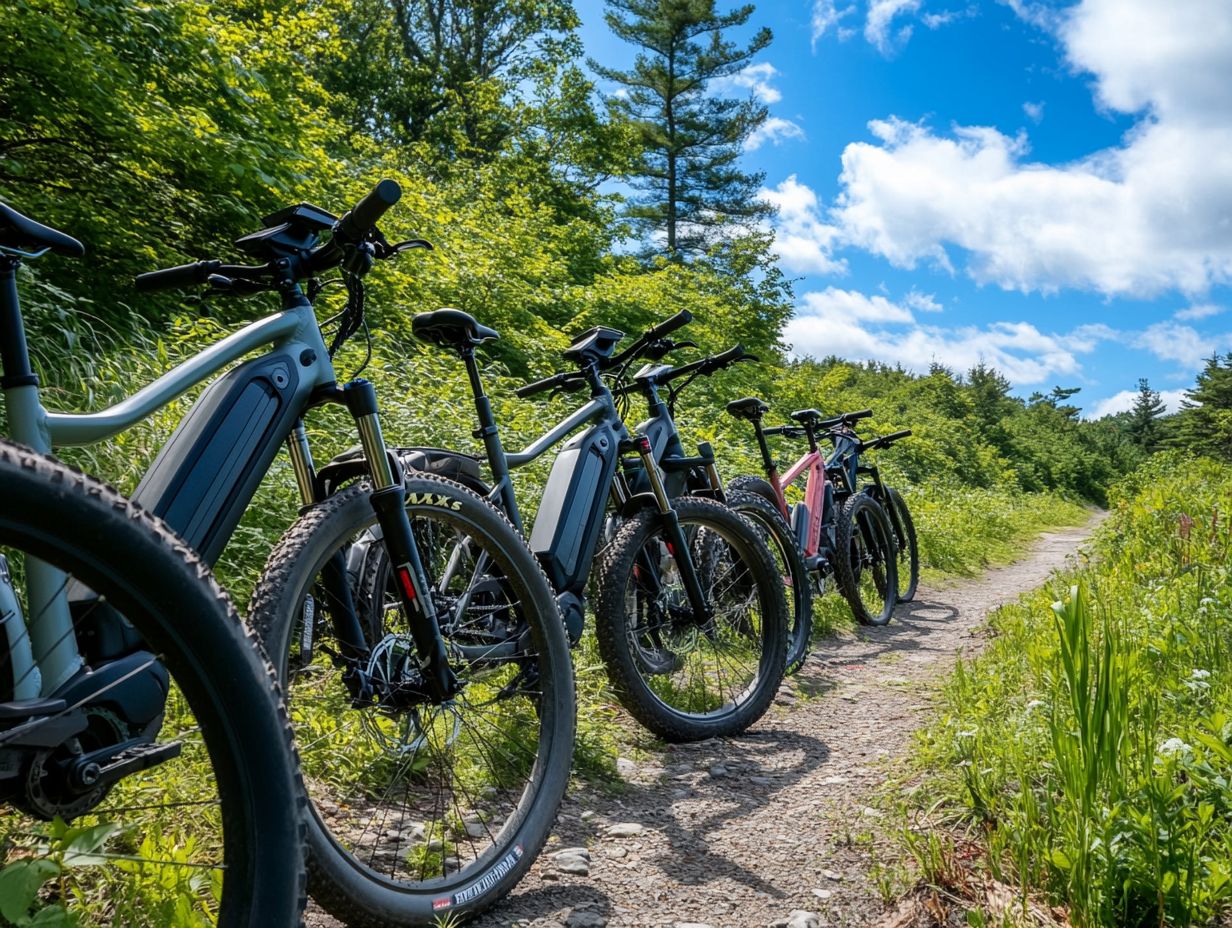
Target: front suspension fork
(674,533)
(389,502)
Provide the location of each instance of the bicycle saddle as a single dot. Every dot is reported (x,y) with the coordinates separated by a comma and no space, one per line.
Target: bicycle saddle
(451,328)
(23,234)
(750,408)
(807,416)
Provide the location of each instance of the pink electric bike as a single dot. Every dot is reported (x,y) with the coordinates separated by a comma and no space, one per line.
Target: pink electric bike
(853,541)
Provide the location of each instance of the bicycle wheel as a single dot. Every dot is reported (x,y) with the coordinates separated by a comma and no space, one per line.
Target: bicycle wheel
(212,829)
(758,485)
(906,543)
(865,560)
(420,811)
(687,680)
(797,585)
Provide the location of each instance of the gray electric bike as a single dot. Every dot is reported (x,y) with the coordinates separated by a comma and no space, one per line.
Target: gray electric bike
(201,483)
(133,791)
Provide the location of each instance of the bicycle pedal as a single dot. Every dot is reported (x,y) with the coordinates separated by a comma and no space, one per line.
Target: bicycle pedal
(129,760)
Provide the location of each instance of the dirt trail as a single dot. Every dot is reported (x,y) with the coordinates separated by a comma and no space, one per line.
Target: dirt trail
(746,831)
(741,831)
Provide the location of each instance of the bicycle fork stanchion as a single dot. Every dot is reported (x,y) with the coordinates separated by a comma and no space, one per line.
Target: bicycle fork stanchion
(389,503)
(675,534)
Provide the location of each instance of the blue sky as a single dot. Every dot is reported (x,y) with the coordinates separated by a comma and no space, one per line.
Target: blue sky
(1044,187)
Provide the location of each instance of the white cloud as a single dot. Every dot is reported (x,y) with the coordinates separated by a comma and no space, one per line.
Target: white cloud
(1034,111)
(1151,215)
(1200,311)
(757,78)
(881,16)
(827,16)
(1124,402)
(854,325)
(775,131)
(1181,343)
(802,238)
(922,302)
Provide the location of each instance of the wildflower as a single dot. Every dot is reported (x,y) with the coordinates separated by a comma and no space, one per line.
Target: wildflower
(1174,746)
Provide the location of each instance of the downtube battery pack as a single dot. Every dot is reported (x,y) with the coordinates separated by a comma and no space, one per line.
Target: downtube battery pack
(205,476)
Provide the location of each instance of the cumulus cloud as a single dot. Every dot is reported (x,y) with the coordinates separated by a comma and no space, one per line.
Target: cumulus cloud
(1034,111)
(775,131)
(857,326)
(756,77)
(1150,215)
(1124,402)
(827,16)
(803,239)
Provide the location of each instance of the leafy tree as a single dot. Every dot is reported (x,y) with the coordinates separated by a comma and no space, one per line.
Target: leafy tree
(1204,424)
(1143,425)
(690,183)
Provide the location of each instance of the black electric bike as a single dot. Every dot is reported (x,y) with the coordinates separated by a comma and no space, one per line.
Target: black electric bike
(689,610)
(845,468)
(699,476)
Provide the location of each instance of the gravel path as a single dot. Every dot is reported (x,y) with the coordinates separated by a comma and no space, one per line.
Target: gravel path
(752,831)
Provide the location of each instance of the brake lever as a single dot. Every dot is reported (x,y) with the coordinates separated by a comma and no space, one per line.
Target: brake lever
(385,251)
(221,285)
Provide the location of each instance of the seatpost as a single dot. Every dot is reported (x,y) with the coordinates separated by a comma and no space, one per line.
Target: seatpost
(767,458)
(489,434)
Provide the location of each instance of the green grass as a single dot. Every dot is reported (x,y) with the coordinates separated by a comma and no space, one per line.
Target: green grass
(1087,752)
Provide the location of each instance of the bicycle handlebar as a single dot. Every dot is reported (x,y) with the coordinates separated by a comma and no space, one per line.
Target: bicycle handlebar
(884,441)
(351,229)
(846,418)
(547,383)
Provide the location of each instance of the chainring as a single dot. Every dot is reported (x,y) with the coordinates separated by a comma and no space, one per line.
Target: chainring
(47,798)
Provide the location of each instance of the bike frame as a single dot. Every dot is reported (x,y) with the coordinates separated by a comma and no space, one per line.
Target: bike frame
(814,465)
(205,476)
(584,477)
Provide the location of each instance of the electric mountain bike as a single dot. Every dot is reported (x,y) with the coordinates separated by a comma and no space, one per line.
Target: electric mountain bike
(852,542)
(201,483)
(845,467)
(689,609)
(699,476)
(150,781)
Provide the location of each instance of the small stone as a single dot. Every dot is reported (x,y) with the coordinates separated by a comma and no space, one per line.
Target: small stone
(585,918)
(823,893)
(616,852)
(690,925)
(801,919)
(626,829)
(835,781)
(587,815)
(870,812)
(581,852)
(832,875)
(718,770)
(452,863)
(625,767)
(571,864)
(760,781)
(476,829)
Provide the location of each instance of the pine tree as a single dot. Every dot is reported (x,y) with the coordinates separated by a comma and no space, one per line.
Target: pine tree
(688,176)
(1204,424)
(1143,425)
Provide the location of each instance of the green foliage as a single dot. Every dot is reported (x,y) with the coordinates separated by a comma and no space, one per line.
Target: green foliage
(1095,749)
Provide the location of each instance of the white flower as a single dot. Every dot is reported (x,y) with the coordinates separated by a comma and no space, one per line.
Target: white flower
(1200,674)
(1174,746)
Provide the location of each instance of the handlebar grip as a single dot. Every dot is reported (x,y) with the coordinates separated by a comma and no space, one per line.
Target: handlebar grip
(730,356)
(368,211)
(681,319)
(895,436)
(854,416)
(170,278)
(538,386)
